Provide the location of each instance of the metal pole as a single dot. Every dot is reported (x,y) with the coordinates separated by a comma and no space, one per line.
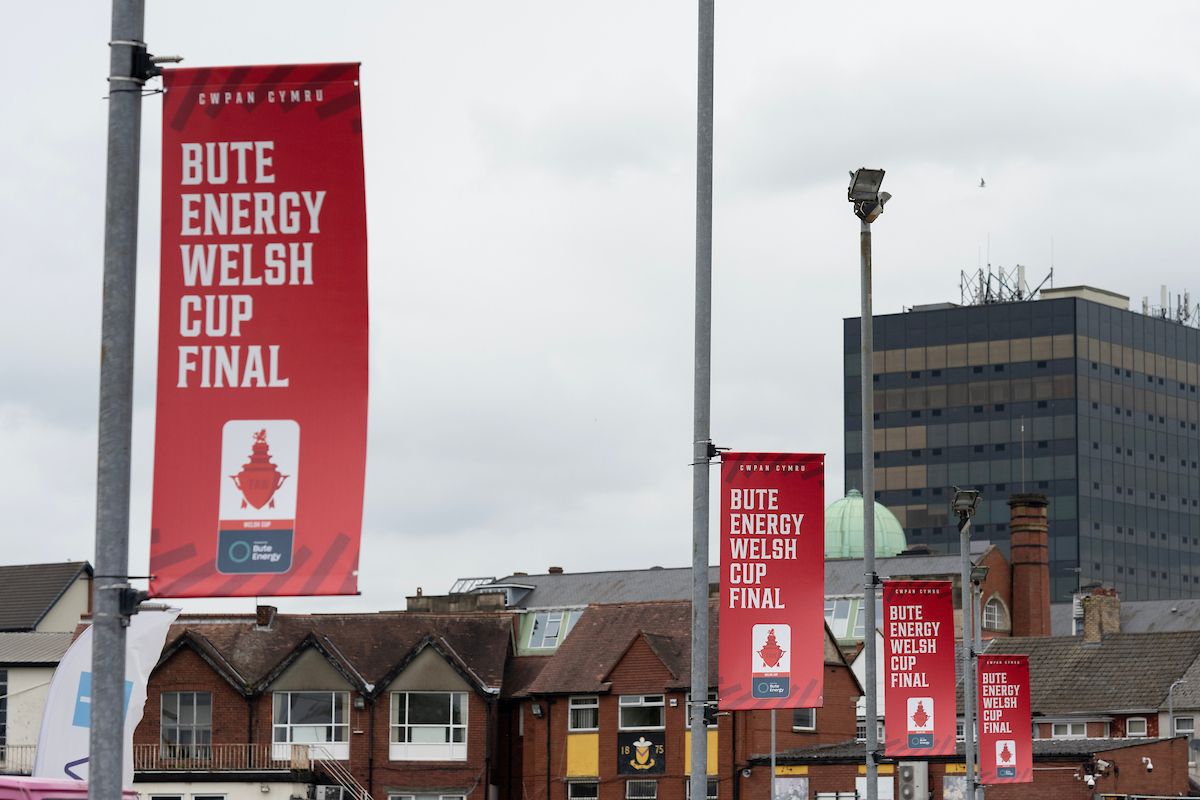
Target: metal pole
(772,754)
(964,530)
(868,482)
(977,603)
(116,403)
(701,437)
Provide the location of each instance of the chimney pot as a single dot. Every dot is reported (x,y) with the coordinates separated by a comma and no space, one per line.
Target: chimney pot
(556,570)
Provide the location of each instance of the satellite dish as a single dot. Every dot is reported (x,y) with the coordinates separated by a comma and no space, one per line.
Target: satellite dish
(1194,744)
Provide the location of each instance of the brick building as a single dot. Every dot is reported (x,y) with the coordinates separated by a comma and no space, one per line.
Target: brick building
(623,677)
(401,705)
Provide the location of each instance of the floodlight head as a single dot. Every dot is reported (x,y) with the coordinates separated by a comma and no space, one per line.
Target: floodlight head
(979,574)
(864,184)
(865,195)
(965,502)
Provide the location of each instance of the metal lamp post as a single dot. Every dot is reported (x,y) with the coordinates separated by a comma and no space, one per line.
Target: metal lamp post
(964,505)
(868,203)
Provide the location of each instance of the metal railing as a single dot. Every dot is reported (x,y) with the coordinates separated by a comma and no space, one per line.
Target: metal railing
(17,758)
(338,771)
(217,757)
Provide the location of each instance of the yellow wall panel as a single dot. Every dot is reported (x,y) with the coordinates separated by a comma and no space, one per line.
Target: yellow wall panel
(583,755)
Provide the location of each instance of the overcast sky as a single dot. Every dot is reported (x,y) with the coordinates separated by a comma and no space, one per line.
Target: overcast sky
(530,191)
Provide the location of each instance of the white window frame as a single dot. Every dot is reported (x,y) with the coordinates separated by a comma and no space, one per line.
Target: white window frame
(427,751)
(993,614)
(1190,730)
(813,717)
(582,703)
(1129,727)
(192,749)
(641,701)
(643,783)
(1070,730)
(337,749)
(687,700)
(565,620)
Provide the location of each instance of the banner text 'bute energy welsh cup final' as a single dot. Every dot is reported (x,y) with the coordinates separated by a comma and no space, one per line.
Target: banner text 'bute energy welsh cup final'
(772,624)
(260,439)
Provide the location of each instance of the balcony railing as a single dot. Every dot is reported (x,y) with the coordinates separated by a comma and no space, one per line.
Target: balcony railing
(17,758)
(219,757)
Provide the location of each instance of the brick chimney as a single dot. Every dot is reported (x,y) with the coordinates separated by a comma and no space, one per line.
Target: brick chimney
(1030,557)
(264,616)
(1101,615)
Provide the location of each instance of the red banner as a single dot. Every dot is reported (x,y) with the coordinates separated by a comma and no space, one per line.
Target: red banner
(260,439)
(1005,720)
(772,580)
(920,707)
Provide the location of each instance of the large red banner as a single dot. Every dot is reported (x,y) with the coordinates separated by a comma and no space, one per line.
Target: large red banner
(1005,720)
(260,438)
(920,707)
(772,627)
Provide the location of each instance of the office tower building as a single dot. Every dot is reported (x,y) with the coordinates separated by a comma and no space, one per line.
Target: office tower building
(1072,395)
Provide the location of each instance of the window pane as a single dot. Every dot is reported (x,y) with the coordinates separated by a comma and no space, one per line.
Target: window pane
(456,708)
(585,718)
(187,715)
(428,708)
(431,735)
(311,708)
(641,717)
(281,708)
(170,710)
(204,708)
(539,630)
(583,791)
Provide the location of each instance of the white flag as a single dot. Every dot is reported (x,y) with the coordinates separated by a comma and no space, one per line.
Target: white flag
(63,743)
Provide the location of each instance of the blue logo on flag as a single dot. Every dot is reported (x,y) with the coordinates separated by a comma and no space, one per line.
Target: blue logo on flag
(83,701)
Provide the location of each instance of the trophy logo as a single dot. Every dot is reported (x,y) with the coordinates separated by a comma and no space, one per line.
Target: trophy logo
(920,723)
(1006,758)
(771,661)
(260,464)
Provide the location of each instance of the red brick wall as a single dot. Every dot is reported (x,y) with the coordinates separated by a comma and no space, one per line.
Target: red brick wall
(640,671)
(186,671)
(836,720)
(998,581)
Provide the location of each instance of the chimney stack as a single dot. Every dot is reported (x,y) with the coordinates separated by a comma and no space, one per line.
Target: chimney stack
(263,617)
(1101,615)
(1029,547)
(556,570)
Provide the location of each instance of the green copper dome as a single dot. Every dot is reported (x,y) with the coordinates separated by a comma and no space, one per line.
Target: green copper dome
(844,529)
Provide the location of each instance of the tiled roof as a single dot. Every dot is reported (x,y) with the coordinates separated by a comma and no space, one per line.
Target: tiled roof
(367,648)
(844,576)
(29,649)
(522,671)
(603,634)
(560,590)
(1128,671)
(27,591)
(1139,616)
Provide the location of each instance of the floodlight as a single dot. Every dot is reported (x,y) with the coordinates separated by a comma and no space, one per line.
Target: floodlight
(864,193)
(965,502)
(979,574)
(864,184)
